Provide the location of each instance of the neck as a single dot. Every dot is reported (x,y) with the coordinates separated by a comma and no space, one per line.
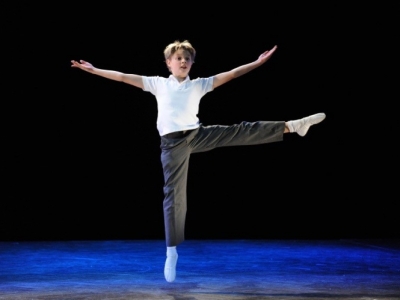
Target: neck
(180,79)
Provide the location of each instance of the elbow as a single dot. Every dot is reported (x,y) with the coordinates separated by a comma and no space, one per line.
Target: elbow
(233,75)
(121,77)
(236,74)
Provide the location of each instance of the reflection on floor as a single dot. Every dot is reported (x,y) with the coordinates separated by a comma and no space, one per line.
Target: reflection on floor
(207,269)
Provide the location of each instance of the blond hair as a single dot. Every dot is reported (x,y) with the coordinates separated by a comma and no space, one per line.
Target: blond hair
(176,45)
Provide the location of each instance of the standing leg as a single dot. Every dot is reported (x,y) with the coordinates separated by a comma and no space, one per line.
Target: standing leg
(175,161)
(175,168)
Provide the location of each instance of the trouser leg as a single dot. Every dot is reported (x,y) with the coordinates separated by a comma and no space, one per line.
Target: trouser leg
(245,133)
(175,163)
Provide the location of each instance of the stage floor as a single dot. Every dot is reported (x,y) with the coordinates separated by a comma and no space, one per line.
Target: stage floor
(207,269)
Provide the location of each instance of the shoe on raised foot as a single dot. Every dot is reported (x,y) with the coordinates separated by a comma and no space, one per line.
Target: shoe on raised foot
(301,126)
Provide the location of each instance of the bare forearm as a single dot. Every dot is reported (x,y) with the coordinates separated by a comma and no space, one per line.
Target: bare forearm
(239,71)
(109,74)
(132,79)
(234,73)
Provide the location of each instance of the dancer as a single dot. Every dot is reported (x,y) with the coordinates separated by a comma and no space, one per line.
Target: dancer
(181,133)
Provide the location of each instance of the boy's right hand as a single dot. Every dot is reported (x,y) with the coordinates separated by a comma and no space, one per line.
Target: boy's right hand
(83,65)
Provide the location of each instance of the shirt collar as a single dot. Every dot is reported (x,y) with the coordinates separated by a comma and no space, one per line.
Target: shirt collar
(172,77)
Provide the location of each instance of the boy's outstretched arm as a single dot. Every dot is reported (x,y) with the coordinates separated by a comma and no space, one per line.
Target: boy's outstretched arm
(224,77)
(132,79)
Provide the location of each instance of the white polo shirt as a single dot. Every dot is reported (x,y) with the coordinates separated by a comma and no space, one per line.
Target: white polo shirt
(177,102)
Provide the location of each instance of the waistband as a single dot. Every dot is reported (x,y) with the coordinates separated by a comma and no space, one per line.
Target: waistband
(178,134)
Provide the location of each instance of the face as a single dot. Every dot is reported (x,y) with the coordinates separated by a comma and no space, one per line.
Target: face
(180,64)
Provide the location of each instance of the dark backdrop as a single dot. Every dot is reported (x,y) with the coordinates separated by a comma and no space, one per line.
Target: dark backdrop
(82,152)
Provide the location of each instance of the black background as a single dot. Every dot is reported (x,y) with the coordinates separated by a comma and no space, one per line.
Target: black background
(82,156)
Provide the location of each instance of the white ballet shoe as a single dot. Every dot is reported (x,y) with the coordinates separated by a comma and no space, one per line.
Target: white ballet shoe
(170,267)
(301,126)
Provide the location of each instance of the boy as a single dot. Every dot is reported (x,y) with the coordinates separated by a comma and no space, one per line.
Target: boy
(181,133)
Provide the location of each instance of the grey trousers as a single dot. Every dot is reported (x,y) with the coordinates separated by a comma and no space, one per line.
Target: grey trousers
(175,154)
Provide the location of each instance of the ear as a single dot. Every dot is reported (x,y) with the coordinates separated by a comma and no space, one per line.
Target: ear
(168,62)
